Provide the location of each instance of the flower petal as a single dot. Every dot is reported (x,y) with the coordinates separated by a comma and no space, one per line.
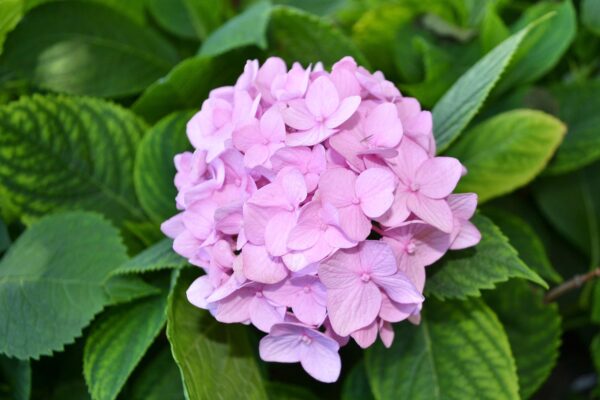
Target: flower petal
(348,107)
(375,189)
(437,177)
(321,360)
(259,266)
(322,98)
(436,212)
(277,231)
(353,307)
(468,236)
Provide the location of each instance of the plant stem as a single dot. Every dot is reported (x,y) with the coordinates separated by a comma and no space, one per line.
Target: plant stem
(575,282)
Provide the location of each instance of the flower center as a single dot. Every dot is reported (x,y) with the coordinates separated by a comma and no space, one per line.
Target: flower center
(259,294)
(414,187)
(306,289)
(411,247)
(323,227)
(305,339)
(356,201)
(365,277)
(319,118)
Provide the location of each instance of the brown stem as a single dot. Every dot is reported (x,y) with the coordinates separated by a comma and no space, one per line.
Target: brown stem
(573,283)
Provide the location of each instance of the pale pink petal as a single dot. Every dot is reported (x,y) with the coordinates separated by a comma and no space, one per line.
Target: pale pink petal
(345,82)
(398,212)
(384,126)
(284,348)
(375,189)
(263,314)
(409,159)
(298,116)
(349,144)
(468,236)
(293,185)
(377,258)
(336,186)
(272,126)
(394,312)
(314,135)
(366,336)
(307,231)
(437,177)
(255,223)
(354,223)
(235,307)
(173,226)
(259,266)
(335,238)
(399,288)
(354,307)
(386,333)
(345,111)
(199,291)
(463,205)
(322,98)
(342,270)
(247,136)
(435,212)
(307,310)
(277,231)
(321,359)
(256,155)
(186,245)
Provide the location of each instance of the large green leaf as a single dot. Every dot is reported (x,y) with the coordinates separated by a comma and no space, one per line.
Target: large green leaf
(117,342)
(545,44)
(154,169)
(507,151)
(157,257)
(186,86)
(4,237)
(213,357)
(17,374)
(459,351)
(247,28)
(298,36)
(11,12)
(590,15)
(134,9)
(58,152)
(460,104)
(123,289)
(86,48)
(159,379)
(464,273)
(526,241)
(578,105)
(282,391)
(533,330)
(191,19)
(52,281)
(571,203)
(356,384)
(493,30)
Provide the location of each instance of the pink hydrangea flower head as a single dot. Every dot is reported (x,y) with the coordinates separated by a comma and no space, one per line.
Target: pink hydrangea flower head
(313,203)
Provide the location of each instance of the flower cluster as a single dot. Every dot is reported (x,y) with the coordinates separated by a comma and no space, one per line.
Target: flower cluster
(314,201)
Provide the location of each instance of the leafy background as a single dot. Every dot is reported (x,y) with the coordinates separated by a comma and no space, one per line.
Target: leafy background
(94,97)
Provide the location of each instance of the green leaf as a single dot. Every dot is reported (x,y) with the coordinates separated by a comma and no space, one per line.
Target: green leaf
(159,379)
(17,373)
(86,48)
(578,105)
(59,152)
(52,281)
(544,45)
(459,351)
(459,105)
(4,237)
(595,309)
(493,30)
(246,29)
(282,391)
(154,169)
(11,12)
(464,273)
(527,243)
(590,15)
(533,330)
(506,151)
(134,9)
(186,86)
(118,341)
(571,203)
(190,19)
(123,289)
(298,36)
(212,357)
(157,257)
(356,384)
(595,353)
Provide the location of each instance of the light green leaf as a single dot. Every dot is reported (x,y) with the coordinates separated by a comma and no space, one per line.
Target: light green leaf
(4,237)
(11,12)
(571,203)
(356,384)
(154,169)
(527,243)
(186,86)
(212,357)
(247,28)
(544,45)
(533,330)
(298,36)
(590,15)
(464,273)
(59,152)
(578,105)
(52,280)
(506,151)
(191,19)
(459,351)
(459,105)
(157,257)
(282,391)
(123,289)
(118,341)
(17,373)
(158,380)
(86,48)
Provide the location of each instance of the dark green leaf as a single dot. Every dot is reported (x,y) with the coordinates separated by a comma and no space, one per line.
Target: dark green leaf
(298,36)
(213,357)
(595,353)
(248,28)
(571,203)
(533,330)
(4,237)
(356,384)
(86,48)
(117,343)
(460,104)
(11,12)
(58,153)
(493,30)
(186,86)
(122,289)
(578,105)
(157,257)
(507,151)
(464,273)
(191,19)
(134,9)
(590,15)
(525,240)
(318,7)
(54,275)
(282,391)
(154,169)
(158,380)
(17,373)
(459,351)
